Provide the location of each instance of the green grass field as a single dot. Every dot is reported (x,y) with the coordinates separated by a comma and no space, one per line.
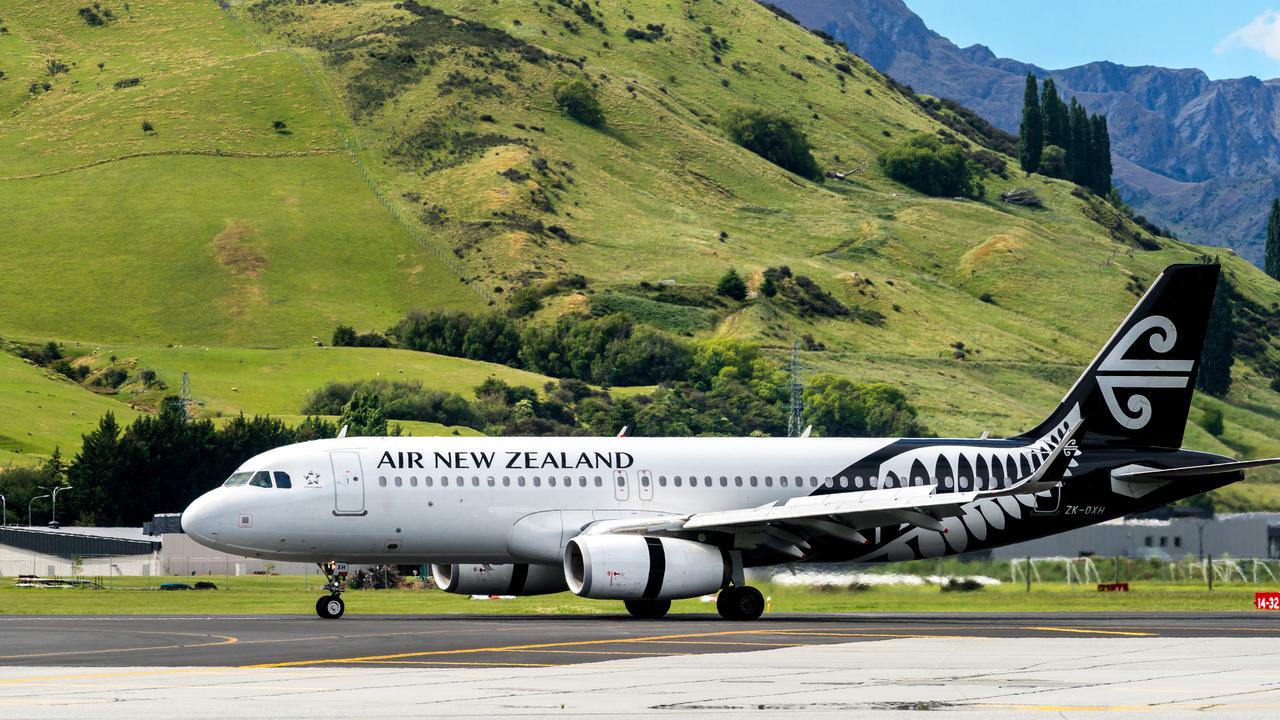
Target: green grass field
(255,595)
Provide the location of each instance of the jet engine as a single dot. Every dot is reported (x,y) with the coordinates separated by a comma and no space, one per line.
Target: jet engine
(634,567)
(483,579)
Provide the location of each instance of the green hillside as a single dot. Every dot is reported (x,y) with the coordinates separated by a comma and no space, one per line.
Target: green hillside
(423,162)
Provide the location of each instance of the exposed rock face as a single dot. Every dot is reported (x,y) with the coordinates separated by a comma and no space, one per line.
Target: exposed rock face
(1198,155)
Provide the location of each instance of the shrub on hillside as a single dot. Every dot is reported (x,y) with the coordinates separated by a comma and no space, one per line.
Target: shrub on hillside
(1212,422)
(578,100)
(344,336)
(1053,162)
(732,286)
(933,167)
(774,138)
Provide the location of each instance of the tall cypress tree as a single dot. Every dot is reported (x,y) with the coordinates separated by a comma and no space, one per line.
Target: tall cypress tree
(1219,345)
(1100,140)
(1078,150)
(1031,132)
(1049,115)
(1272,260)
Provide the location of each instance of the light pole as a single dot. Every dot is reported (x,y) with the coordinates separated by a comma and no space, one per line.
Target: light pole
(37,497)
(4,511)
(53,514)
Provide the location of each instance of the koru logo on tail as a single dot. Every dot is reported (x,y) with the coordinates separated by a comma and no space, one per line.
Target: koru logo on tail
(1118,372)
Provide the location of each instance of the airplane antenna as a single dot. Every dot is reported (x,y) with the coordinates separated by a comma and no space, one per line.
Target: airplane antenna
(796,416)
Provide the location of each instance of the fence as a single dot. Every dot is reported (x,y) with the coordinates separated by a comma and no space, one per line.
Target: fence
(1092,571)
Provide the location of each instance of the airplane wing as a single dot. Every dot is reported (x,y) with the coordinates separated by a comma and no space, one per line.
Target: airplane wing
(842,514)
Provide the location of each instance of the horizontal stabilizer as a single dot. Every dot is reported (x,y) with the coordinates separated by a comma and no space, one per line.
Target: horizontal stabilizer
(1194,470)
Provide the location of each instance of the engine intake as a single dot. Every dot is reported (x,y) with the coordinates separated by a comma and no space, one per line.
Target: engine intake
(634,567)
(482,579)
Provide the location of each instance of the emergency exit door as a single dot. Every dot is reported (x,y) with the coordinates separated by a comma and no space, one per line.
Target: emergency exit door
(348,484)
(621,485)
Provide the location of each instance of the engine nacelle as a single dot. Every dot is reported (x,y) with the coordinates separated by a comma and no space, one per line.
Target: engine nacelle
(633,567)
(482,579)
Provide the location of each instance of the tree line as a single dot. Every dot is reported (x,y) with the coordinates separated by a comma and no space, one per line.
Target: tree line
(1063,140)
(122,475)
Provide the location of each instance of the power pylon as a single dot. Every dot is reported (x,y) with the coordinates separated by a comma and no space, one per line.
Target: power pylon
(796,415)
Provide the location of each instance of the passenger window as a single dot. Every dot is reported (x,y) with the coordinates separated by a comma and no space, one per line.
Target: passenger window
(444,481)
(428,481)
(676,481)
(813,481)
(236,479)
(506,481)
(551,481)
(520,481)
(768,481)
(599,481)
(261,479)
(537,481)
(475,481)
(382,481)
(755,481)
(662,481)
(582,480)
(724,481)
(737,480)
(782,481)
(707,479)
(829,482)
(282,480)
(413,481)
(490,481)
(399,482)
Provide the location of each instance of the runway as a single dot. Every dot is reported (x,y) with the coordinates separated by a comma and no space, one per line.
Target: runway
(982,665)
(532,641)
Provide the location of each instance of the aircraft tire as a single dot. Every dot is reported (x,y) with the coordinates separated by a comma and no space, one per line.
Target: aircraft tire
(330,607)
(648,609)
(740,603)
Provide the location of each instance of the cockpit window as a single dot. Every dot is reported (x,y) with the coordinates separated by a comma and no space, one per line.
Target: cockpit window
(240,478)
(282,480)
(261,479)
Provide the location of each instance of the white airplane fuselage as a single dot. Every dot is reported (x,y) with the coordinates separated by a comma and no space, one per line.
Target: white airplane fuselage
(415,500)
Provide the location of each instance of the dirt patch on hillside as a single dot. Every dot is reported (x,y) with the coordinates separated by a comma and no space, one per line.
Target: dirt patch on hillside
(234,252)
(244,262)
(997,248)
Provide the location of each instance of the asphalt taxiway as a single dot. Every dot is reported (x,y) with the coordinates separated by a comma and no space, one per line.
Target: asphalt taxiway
(982,665)
(534,641)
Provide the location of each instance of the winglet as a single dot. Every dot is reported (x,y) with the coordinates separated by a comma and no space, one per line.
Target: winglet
(343,432)
(625,431)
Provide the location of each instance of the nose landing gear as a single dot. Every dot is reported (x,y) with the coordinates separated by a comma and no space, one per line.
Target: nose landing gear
(331,607)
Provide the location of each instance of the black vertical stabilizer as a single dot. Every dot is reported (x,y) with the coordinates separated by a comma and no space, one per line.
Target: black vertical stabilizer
(1137,391)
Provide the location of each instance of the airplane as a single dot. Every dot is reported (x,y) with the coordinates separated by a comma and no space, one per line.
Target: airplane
(650,520)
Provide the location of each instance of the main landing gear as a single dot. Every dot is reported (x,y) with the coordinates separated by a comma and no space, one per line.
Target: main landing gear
(740,603)
(331,607)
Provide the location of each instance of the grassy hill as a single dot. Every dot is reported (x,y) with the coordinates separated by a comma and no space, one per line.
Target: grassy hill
(423,162)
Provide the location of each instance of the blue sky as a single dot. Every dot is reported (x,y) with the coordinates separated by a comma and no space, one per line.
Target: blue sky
(1226,39)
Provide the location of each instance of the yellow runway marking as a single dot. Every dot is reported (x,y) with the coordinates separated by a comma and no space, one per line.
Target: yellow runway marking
(463,663)
(508,648)
(603,652)
(226,640)
(804,633)
(743,643)
(1088,631)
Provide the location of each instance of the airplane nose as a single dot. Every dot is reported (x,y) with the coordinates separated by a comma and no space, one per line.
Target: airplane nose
(200,519)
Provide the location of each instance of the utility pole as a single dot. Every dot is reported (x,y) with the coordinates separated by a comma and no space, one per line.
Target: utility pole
(29,503)
(796,415)
(53,513)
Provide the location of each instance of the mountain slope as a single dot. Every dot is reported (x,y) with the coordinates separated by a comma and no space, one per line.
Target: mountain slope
(1200,156)
(440,137)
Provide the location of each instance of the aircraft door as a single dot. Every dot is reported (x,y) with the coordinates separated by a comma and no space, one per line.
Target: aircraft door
(645,480)
(348,484)
(621,491)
